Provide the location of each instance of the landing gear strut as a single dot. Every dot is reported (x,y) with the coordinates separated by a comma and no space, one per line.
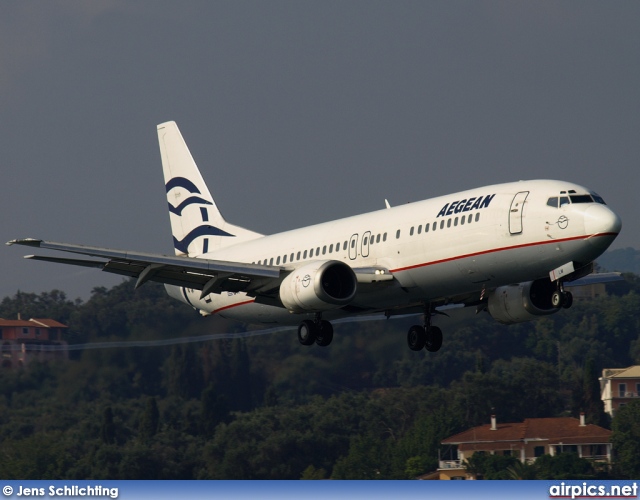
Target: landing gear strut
(425,336)
(318,331)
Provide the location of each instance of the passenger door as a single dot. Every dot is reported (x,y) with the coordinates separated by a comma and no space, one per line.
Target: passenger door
(515,212)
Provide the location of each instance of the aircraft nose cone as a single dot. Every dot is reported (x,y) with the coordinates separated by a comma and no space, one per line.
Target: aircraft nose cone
(600,220)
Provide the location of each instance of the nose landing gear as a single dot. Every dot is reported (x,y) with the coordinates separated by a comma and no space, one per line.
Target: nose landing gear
(561,298)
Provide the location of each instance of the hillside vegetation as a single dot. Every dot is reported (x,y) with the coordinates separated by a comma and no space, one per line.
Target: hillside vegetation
(265,407)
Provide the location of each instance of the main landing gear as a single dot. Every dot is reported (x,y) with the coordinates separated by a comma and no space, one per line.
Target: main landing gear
(319,331)
(425,336)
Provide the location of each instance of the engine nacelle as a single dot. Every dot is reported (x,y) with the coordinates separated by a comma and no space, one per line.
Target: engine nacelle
(522,301)
(318,286)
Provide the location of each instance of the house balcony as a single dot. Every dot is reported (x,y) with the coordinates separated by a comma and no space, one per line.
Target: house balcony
(450,464)
(627,395)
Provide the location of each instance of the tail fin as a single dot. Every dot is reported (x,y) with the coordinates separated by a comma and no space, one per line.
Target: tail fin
(196,223)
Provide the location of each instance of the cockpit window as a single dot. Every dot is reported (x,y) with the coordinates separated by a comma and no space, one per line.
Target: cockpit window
(581,198)
(572,197)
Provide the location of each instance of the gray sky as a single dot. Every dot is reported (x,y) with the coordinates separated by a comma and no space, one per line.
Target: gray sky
(299,112)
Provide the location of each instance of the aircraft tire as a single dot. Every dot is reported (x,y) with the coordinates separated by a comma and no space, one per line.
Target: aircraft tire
(416,338)
(568,300)
(434,339)
(324,334)
(557,299)
(307,332)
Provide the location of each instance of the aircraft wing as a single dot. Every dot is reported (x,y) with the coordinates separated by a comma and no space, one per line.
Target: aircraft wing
(210,276)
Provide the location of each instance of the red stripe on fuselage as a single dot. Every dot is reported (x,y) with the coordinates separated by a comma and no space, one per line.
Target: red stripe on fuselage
(493,250)
(234,305)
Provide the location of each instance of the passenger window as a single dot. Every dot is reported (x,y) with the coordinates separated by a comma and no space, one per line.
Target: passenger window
(317,251)
(455,221)
(311,253)
(448,222)
(324,250)
(304,256)
(420,229)
(271,262)
(378,238)
(553,202)
(442,224)
(397,234)
(344,245)
(470,220)
(278,261)
(384,237)
(353,243)
(298,256)
(411,231)
(331,248)
(477,216)
(426,227)
(364,241)
(462,219)
(284,259)
(564,200)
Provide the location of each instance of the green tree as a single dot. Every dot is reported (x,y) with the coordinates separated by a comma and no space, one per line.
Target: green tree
(626,439)
(150,420)
(108,428)
(564,466)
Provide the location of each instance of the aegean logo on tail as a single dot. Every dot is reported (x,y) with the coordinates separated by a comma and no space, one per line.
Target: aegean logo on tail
(189,186)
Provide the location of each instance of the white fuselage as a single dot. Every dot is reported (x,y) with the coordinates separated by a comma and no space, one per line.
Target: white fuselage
(437,249)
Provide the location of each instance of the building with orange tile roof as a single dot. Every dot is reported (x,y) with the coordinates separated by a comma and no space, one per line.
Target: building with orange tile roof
(527,441)
(23,341)
(619,386)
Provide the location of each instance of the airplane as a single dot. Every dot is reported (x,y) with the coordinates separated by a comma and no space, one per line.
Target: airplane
(509,249)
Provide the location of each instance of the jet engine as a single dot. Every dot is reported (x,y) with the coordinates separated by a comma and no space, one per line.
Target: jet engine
(522,301)
(318,286)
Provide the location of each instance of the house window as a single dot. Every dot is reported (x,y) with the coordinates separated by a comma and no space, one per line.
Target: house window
(25,331)
(622,388)
(637,385)
(538,451)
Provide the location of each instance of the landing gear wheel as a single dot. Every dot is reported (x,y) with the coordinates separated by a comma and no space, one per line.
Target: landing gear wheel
(557,299)
(434,339)
(416,338)
(568,300)
(307,332)
(324,333)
